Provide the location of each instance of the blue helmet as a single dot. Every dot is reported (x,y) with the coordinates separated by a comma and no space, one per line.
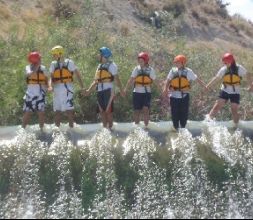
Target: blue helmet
(105,52)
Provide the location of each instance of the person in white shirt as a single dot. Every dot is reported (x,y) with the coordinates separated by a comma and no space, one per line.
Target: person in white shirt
(106,74)
(142,78)
(178,86)
(62,72)
(37,84)
(231,74)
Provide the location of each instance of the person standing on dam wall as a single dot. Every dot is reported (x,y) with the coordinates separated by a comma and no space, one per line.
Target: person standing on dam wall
(178,87)
(231,75)
(37,84)
(106,74)
(62,72)
(142,78)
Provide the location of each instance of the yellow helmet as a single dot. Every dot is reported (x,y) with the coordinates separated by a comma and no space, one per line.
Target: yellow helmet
(57,50)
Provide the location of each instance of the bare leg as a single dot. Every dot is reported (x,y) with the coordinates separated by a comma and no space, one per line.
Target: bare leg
(26,119)
(109,117)
(146,115)
(219,104)
(41,116)
(234,110)
(137,115)
(57,118)
(103,118)
(70,114)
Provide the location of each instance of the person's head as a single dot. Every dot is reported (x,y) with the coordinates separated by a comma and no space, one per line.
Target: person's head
(34,58)
(180,61)
(57,52)
(143,59)
(228,59)
(105,54)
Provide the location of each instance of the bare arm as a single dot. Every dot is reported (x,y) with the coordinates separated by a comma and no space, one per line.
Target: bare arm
(49,81)
(166,87)
(92,87)
(213,81)
(78,76)
(249,82)
(119,84)
(129,82)
(200,82)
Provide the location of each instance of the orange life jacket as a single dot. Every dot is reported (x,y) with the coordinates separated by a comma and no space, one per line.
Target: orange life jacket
(180,82)
(37,78)
(231,78)
(103,75)
(62,74)
(143,77)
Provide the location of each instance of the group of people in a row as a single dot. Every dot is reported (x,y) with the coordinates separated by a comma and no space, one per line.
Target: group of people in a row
(59,80)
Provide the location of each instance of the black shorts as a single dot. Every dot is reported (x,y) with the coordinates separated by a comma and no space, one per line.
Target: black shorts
(234,98)
(103,98)
(141,100)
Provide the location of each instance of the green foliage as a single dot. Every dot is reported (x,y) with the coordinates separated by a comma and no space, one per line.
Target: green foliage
(89,186)
(82,36)
(48,178)
(215,166)
(126,175)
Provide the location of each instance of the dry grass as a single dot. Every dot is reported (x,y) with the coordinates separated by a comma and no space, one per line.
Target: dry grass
(5,13)
(124,29)
(241,24)
(29,16)
(202,19)
(176,7)
(208,9)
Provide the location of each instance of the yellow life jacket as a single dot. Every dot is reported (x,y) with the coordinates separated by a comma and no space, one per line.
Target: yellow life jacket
(231,77)
(62,74)
(143,77)
(180,82)
(37,78)
(103,75)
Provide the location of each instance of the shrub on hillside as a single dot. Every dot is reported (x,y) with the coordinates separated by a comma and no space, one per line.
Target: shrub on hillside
(176,7)
(222,12)
(241,24)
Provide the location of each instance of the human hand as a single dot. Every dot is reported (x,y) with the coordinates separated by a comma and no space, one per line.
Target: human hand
(50,89)
(123,93)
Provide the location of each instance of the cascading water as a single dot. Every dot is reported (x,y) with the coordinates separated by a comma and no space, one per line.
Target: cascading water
(140,174)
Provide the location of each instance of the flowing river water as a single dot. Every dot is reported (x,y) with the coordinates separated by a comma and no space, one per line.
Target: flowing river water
(205,171)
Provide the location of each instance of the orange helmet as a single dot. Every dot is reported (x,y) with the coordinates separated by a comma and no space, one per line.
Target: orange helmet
(228,58)
(34,57)
(144,56)
(180,58)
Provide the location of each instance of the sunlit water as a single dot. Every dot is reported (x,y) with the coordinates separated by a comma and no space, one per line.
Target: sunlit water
(137,175)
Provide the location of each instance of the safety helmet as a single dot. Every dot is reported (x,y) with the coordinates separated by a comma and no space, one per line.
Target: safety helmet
(228,58)
(144,56)
(57,50)
(105,52)
(34,57)
(180,58)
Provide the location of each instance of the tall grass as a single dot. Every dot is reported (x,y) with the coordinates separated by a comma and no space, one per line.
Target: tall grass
(81,36)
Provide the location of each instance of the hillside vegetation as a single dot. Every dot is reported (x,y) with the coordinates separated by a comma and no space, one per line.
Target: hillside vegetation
(202,30)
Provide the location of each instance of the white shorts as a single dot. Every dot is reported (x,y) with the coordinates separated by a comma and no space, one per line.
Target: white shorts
(63,97)
(34,100)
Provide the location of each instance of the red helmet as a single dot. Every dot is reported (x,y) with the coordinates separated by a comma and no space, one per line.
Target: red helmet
(144,56)
(180,58)
(228,58)
(34,57)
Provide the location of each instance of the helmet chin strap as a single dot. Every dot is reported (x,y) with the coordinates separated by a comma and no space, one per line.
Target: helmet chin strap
(102,60)
(58,58)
